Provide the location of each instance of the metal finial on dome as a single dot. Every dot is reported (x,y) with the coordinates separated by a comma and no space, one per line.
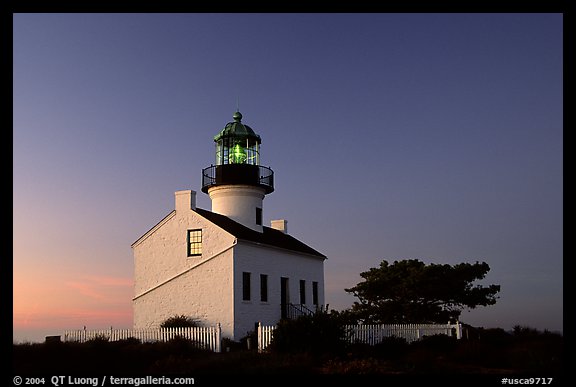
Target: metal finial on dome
(237,116)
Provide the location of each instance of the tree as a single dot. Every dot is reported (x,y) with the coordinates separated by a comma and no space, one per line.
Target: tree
(410,291)
(181,321)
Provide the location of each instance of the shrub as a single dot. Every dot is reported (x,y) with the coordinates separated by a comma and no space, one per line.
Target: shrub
(495,336)
(229,345)
(251,336)
(319,333)
(182,345)
(439,342)
(128,342)
(391,347)
(99,341)
(180,321)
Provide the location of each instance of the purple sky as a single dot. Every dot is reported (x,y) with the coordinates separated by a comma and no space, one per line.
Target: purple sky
(392,136)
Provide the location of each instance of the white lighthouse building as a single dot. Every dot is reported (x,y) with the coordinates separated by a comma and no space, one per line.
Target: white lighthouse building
(224,266)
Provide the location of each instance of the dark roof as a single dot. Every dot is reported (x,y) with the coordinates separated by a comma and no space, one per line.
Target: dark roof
(270,236)
(237,129)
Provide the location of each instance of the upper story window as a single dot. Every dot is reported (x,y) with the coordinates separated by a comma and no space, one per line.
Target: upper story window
(194,242)
(258,216)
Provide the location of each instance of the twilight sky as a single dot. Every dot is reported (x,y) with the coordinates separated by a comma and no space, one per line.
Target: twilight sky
(392,136)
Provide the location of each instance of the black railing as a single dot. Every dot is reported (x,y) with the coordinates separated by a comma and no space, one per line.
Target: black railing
(238,174)
(293,311)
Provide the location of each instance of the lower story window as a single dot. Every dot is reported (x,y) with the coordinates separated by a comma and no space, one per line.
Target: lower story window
(302,292)
(315,293)
(246,286)
(263,288)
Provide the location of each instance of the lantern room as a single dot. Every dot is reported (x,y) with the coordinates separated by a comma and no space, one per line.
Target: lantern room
(237,159)
(237,144)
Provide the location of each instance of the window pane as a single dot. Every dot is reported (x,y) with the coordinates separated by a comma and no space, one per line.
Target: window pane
(315,293)
(258,216)
(194,242)
(263,288)
(302,291)
(246,286)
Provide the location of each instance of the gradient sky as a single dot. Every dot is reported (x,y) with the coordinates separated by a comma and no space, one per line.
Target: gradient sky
(392,136)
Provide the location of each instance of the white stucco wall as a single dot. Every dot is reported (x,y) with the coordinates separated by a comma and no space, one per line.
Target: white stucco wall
(168,282)
(276,263)
(203,293)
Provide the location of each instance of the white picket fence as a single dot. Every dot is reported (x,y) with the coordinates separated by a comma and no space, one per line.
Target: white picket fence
(264,336)
(211,337)
(206,337)
(374,334)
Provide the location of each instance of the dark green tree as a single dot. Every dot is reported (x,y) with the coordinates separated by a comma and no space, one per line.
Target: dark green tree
(409,291)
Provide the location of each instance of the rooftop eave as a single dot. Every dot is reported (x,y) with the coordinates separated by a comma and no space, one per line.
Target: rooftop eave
(295,252)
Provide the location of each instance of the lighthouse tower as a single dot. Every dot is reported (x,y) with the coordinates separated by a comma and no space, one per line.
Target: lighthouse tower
(238,183)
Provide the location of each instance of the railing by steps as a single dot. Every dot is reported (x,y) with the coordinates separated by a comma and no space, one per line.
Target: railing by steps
(294,311)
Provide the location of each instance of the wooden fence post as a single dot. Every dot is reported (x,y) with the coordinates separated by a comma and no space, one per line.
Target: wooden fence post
(259,335)
(218,338)
(458,330)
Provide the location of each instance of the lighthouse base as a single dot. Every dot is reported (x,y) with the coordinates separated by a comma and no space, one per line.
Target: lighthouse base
(241,203)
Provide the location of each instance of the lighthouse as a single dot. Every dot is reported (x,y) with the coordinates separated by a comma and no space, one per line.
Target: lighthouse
(223,266)
(238,183)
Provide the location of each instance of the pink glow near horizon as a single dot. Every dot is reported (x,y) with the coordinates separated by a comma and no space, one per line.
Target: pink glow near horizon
(91,301)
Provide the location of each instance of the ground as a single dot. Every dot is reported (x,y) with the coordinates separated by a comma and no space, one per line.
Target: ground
(496,356)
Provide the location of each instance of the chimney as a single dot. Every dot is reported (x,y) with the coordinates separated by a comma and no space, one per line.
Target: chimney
(280,224)
(185,200)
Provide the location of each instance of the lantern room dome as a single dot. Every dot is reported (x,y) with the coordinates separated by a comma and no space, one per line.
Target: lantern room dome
(237,129)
